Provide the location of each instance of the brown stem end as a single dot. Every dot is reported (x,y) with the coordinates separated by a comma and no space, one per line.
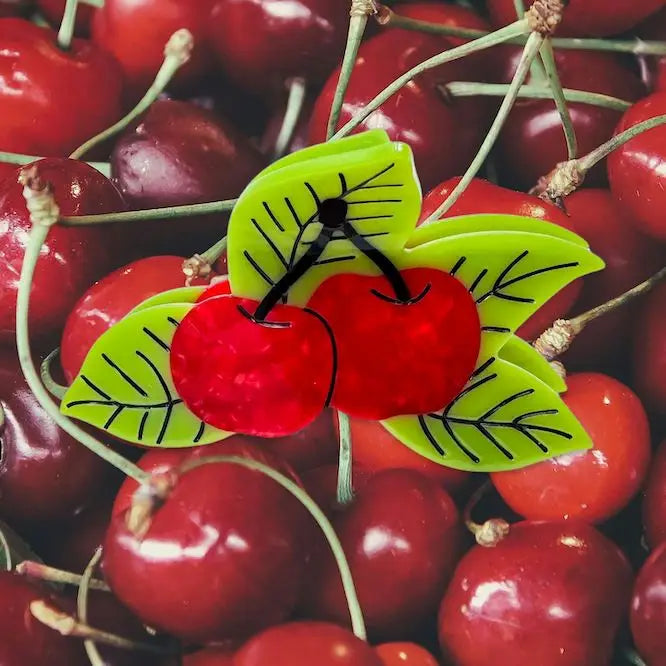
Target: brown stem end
(544,16)
(556,340)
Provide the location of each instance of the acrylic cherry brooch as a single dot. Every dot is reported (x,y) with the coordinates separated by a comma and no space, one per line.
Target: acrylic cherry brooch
(334,298)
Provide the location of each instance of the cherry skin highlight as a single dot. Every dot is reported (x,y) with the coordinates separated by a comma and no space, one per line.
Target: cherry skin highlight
(405,654)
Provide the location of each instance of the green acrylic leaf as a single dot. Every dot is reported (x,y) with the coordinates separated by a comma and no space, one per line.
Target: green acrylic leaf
(275,219)
(504,419)
(125,385)
(510,274)
(521,353)
(178,295)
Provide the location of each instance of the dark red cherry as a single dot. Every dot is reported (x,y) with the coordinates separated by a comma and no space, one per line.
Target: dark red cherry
(321,483)
(23,639)
(402,538)
(13,8)
(532,142)
(107,301)
(304,644)
(551,594)
(444,135)
(483,197)
(136,31)
(594,484)
(648,609)
(53,100)
(53,11)
(268,378)
(222,557)
(654,500)
(585,17)
(405,654)
(71,259)
(635,169)
(209,657)
(630,258)
(177,154)
(262,44)
(653,68)
(44,473)
(378,375)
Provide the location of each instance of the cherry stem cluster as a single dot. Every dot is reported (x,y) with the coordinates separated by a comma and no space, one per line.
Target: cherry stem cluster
(39,571)
(345,486)
(292,114)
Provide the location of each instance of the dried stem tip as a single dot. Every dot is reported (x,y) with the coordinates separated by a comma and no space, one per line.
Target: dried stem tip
(556,340)
(147,498)
(544,16)
(564,179)
(39,198)
(196,267)
(363,8)
(180,46)
(491,532)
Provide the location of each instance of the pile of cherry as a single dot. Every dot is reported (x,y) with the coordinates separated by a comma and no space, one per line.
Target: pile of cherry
(229,568)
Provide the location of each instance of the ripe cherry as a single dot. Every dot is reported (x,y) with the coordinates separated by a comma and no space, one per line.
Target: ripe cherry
(634,169)
(178,154)
(648,609)
(72,258)
(558,592)
(209,657)
(305,644)
(136,31)
(532,142)
(653,69)
(222,557)
(261,45)
(321,483)
(74,94)
(589,485)
(402,538)
(53,11)
(444,135)
(376,330)
(654,500)
(405,654)
(484,197)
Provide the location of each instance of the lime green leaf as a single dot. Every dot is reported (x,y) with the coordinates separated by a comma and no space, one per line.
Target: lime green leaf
(510,274)
(521,353)
(276,218)
(178,295)
(504,419)
(125,385)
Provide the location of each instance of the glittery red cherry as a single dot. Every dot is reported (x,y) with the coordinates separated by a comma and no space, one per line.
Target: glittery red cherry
(379,372)
(266,378)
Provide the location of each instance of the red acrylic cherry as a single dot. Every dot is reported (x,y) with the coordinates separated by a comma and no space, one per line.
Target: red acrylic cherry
(484,197)
(305,644)
(532,142)
(648,609)
(405,654)
(630,258)
(176,154)
(551,594)
(262,44)
(590,485)
(71,259)
(378,374)
(635,169)
(444,135)
(53,100)
(136,31)
(53,11)
(223,556)
(649,352)
(44,473)
(654,500)
(402,538)
(585,17)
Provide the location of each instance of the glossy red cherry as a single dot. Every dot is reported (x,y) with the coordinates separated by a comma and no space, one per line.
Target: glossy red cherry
(53,100)
(179,154)
(268,378)
(405,654)
(223,556)
(402,538)
(484,197)
(444,135)
(551,594)
(630,258)
(262,44)
(532,142)
(378,375)
(634,169)
(589,485)
(649,353)
(136,31)
(585,17)
(72,258)
(305,644)
(654,500)
(53,11)
(648,609)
